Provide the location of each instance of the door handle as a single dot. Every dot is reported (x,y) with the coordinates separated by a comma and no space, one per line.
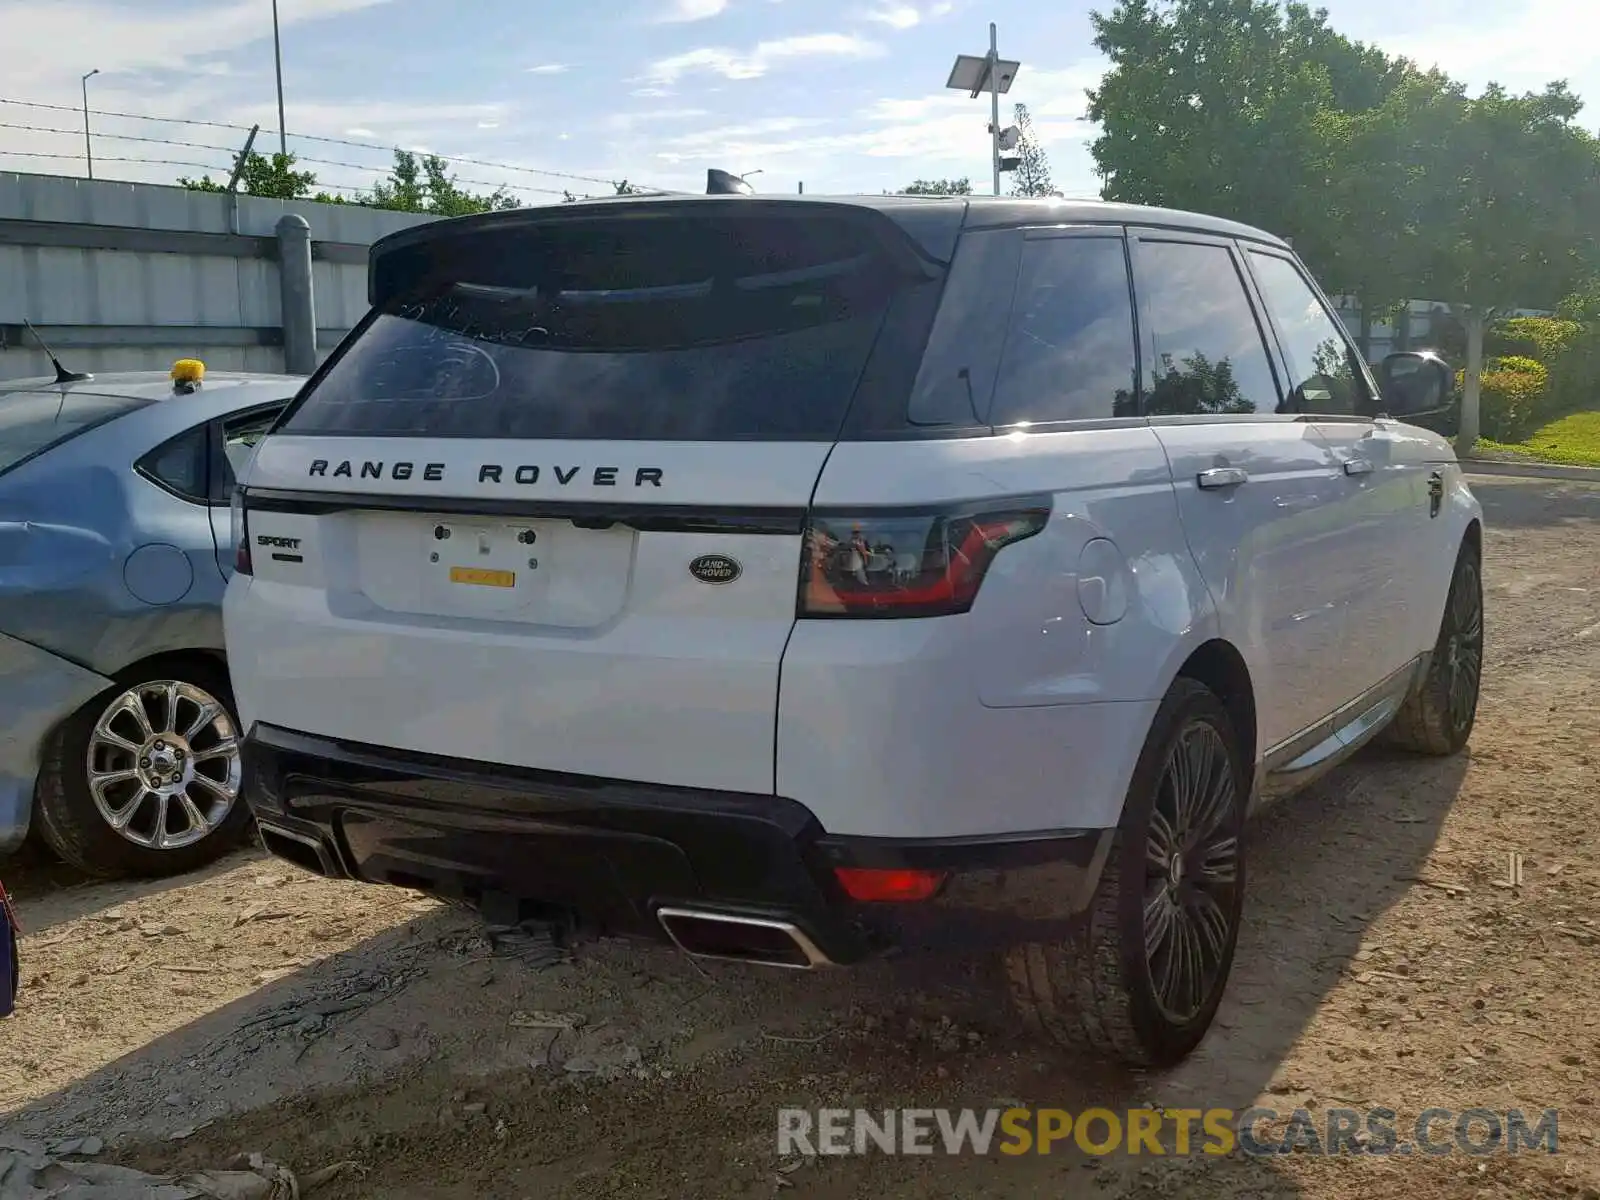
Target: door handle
(1358,466)
(1221,477)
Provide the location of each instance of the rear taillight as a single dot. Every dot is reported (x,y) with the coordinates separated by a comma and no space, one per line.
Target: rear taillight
(240,531)
(908,563)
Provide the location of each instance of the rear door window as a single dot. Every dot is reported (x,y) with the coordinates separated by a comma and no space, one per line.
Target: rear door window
(1069,352)
(653,327)
(1210,358)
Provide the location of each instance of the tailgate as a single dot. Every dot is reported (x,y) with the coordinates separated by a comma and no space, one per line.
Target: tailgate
(544,508)
(583,635)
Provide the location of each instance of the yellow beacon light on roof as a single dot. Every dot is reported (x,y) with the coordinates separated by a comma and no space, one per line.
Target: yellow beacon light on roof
(187,373)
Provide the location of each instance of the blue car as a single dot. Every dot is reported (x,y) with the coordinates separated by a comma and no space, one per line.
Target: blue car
(118,735)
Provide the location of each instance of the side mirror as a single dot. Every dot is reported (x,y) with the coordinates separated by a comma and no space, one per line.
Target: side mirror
(1415,382)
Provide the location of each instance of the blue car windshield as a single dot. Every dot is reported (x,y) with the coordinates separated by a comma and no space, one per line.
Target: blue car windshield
(32,422)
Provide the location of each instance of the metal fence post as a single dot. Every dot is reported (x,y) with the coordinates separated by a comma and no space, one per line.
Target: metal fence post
(299,304)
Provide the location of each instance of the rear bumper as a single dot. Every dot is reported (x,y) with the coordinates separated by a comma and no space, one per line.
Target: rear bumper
(611,853)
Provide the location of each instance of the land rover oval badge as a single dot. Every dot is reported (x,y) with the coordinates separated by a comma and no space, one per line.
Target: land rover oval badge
(715,568)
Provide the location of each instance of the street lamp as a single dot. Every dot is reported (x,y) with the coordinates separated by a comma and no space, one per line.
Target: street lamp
(277,61)
(88,146)
(987,73)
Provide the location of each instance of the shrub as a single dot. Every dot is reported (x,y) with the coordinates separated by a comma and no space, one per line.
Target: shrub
(1541,338)
(1522,364)
(1575,374)
(1512,397)
(1583,304)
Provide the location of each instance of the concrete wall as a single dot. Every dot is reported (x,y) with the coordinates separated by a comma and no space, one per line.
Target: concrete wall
(130,276)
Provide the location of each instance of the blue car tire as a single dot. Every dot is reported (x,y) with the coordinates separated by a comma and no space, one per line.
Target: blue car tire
(144,779)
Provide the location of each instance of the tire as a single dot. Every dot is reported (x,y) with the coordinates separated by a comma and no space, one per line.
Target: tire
(105,738)
(1100,991)
(1438,716)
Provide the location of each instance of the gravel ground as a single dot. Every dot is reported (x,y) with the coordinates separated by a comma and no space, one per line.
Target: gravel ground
(1386,961)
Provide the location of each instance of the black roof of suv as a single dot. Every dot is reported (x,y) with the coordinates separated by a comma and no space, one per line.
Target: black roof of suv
(934,222)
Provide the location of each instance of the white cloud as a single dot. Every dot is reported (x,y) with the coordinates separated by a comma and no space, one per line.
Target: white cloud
(1523,46)
(626,122)
(695,10)
(165,58)
(752,64)
(384,120)
(747,135)
(928,136)
(549,69)
(896,16)
(130,37)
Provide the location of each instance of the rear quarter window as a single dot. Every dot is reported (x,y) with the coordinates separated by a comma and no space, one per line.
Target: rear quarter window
(645,328)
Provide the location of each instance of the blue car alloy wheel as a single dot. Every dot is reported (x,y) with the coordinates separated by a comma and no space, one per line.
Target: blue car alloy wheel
(144,779)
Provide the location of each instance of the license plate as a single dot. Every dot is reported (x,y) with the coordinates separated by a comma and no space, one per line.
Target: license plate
(483,577)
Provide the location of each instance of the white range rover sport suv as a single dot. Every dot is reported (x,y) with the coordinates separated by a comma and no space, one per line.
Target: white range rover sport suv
(796,577)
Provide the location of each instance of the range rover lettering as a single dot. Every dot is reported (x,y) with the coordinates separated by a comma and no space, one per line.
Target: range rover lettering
(1053,539)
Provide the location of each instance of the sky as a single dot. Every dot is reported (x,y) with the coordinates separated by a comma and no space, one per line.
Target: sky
(838,95)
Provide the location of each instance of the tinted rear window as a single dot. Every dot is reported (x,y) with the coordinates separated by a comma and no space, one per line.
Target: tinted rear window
(666,327)
(32,422)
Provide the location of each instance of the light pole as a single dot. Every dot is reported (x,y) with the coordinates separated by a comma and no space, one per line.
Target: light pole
(88,145)
(277,61)
(987,73)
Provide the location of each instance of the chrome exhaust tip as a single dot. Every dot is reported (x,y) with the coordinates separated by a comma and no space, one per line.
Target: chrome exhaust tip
(729,938)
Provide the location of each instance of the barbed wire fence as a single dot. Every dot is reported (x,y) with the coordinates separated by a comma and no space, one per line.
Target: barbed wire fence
(12,112)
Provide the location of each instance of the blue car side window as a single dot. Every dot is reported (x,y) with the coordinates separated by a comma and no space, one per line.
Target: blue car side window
(232,449)
(179,465)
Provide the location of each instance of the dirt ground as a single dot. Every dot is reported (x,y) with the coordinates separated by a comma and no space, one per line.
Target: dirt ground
(1386,961)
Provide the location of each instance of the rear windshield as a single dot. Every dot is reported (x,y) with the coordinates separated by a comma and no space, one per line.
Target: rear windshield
(663,327)
(32,422)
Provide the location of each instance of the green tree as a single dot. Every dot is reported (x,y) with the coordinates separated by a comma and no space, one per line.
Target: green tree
(1504,211)
(938,187)
(1368,164)
(1223,106)
(403,190)
(1391,182)
(273,176)
(1032,176)
(423,184)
